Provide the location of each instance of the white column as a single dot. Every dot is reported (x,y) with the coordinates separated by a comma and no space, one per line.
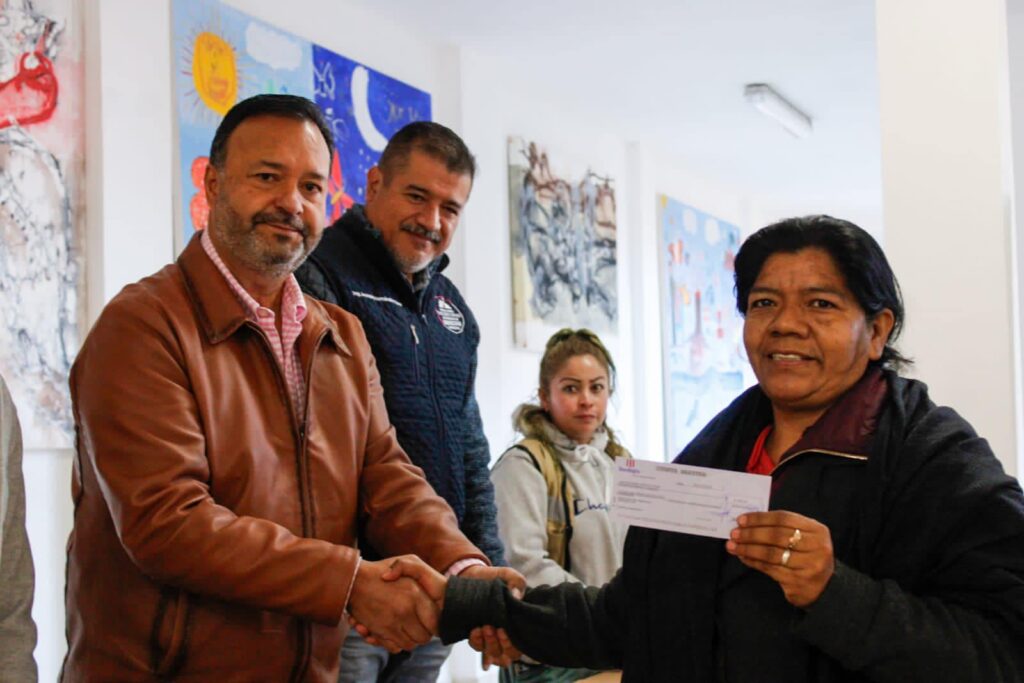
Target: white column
(1015,35)
(946,169)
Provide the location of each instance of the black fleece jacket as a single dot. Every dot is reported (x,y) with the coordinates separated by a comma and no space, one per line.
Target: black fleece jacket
(928,534)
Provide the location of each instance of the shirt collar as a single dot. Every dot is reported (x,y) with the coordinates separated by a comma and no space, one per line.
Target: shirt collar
(293,306)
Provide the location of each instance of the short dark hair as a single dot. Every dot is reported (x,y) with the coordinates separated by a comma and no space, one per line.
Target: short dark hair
(856,255)
(288,106)
(433,139)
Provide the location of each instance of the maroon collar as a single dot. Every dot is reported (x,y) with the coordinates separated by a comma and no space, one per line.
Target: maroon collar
(847,426)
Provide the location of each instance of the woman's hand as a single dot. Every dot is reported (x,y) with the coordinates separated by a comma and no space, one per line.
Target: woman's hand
(794,550)
(495,645)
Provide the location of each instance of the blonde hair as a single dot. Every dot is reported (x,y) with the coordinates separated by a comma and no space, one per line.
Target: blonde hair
(567,343)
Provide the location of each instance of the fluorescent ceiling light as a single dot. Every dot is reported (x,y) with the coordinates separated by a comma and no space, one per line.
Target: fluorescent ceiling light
(771,103)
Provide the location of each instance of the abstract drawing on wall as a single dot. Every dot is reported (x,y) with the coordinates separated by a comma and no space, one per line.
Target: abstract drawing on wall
(564,234)
(41,166)
(223,56)
(704,360)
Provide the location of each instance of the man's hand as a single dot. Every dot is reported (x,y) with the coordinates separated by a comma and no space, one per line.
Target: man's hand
(513,579)
(496,646)
(400,612)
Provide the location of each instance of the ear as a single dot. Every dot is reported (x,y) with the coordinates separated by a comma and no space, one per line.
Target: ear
(211,183)
(879,329)
(545,400)
(374,181)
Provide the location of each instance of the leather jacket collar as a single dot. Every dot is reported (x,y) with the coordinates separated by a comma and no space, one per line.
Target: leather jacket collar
(221,314)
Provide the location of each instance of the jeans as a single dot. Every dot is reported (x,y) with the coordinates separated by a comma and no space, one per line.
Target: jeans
(365,663)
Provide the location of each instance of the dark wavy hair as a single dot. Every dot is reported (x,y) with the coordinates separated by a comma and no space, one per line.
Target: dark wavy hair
(856,254)
(436,141)
(565,344)
(287,106)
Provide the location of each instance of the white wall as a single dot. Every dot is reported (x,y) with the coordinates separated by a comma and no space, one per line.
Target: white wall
(946,176)
(130,148)
(508,376)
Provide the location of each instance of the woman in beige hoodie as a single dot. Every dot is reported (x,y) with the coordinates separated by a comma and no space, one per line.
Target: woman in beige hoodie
(553,533)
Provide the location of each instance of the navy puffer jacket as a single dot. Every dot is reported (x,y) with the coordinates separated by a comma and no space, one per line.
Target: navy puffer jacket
(425,343)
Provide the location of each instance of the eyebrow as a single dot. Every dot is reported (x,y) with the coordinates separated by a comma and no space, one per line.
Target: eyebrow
(278,166)
(426,191)
(805,290)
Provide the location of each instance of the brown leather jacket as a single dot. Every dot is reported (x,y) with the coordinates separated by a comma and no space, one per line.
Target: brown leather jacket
(213,533)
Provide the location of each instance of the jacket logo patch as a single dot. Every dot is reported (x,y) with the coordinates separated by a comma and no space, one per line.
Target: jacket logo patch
(450,316)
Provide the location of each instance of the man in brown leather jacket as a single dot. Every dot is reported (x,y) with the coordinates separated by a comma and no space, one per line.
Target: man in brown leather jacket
(232,438)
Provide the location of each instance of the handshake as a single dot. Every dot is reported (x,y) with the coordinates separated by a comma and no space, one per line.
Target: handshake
(397,602)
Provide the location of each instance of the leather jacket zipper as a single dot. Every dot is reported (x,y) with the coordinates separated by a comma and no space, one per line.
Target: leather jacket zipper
(305,640)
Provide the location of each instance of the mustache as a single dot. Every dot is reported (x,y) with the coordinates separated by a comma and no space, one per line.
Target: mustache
(432,235)
(293,222)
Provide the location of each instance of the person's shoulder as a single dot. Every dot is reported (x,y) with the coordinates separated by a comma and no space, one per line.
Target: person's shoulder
(348,325)
(156,295)
(920,416)
(934,442)
(445,286)
(514,458)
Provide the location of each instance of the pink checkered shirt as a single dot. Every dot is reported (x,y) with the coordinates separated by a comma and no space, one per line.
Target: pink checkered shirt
(293,312)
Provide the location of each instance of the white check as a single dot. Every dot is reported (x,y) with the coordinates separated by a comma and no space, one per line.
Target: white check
(684,498)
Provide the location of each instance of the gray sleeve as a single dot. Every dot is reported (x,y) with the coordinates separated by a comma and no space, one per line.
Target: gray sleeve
(521,495)
(17,630)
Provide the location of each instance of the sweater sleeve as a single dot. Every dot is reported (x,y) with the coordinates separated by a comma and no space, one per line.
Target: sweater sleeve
(876,627)
(17,630)
(569,625)
(954,534)
(480,522)
(522,498)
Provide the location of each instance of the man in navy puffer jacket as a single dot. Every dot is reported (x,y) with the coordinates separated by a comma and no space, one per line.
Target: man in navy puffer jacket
(383,263)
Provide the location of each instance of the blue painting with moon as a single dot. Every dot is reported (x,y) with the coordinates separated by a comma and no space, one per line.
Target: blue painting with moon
(364,109)
(222,56)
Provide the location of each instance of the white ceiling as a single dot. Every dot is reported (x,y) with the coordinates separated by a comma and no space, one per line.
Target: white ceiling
(670,74)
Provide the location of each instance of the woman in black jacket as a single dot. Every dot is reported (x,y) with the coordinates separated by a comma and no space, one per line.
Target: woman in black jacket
(894,547)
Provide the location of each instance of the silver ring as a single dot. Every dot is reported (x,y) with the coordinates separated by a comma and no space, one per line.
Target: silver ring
(794,539)
(785,557)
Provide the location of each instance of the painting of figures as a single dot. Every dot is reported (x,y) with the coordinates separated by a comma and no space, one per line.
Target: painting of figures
(41,166)
(224,56)
(704,362)
(564,237)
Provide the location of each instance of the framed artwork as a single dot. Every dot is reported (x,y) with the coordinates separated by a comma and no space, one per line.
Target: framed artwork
(705,365)
(564,234)
(41,219)
(223,56)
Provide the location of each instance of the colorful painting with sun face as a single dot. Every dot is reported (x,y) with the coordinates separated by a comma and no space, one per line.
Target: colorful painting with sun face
(704,360)
(223,56)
